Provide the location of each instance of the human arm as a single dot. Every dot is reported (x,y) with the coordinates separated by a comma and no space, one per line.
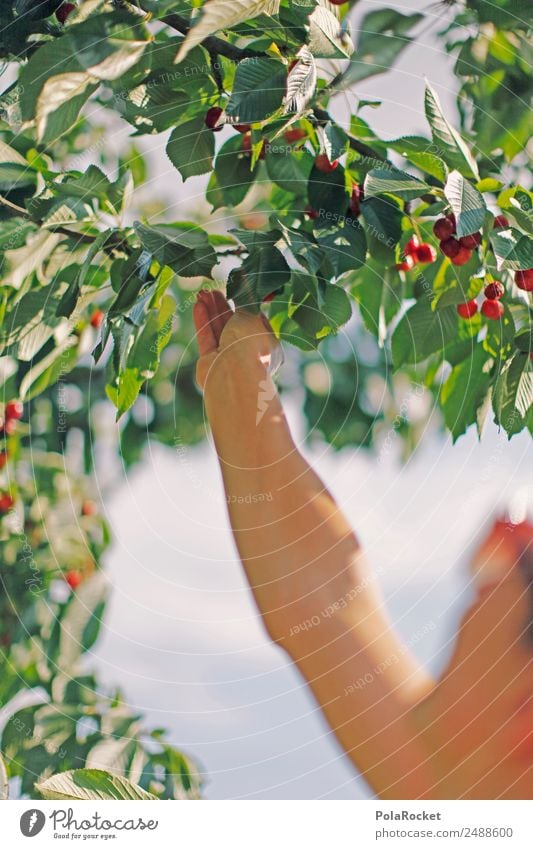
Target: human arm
(316,596)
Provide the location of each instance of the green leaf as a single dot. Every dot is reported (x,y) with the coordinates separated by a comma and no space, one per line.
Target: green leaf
(155,334)
(327,39)
(383,221)
(335,141)
(191,147)
(319,309)
(125,392)
(120,756)
(421,152)
(219,14)
(518,203)
(24,261)
(184,247)
(423,331)
(327,192)
(91,785)
(70,90)
(380,181)
(258,90)
(303,247)
(301,82)
(335,305)
(513,394)
(467,204)
(344,247)
(81,620)
(379,299)
(15,171)
(512,249)
(261,273)
(465,390)
(289,169)
(382,39)
(14,232)
(233,174)
(450,146)
(46,371)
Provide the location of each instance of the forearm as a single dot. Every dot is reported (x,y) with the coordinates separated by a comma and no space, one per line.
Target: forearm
(313,589)
(297,548)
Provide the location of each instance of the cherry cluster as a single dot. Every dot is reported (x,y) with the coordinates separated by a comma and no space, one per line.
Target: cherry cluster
(416,252)
(458,251)
(491,307)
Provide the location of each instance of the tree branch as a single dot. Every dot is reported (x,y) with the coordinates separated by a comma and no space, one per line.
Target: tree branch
(212,44)
(19,210)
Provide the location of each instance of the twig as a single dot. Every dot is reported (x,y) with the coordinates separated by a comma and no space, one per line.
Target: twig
(232,252)
(212,44)
(19,210)
(364,150)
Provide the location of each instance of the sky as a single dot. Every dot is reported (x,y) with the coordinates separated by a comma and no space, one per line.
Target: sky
(182,637)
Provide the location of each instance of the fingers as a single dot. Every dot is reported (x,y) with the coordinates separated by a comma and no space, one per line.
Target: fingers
(211,313)
(205,335)
(222,312)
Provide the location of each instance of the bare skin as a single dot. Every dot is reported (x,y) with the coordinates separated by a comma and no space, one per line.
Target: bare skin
(467,736)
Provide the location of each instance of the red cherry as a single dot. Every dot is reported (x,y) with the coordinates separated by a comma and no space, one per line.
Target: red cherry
(292,65)
(407,264)
(7,426)
(524,279)
(311,213)
(6,503)
(355,200)
(473,240)
(462,256)
(89,508)
(492,309)
(295,134)
(494,291)
(425,253)
(96,318)
(14,410)
(412,246)
(3,458)
(242,128)
(323,164)
(443,229)
(338,2)
(500,222)
(212,118)
(64,11)
(73,578)
(450,247)
(467,310)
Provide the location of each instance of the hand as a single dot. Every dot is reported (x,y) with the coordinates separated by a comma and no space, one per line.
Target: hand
(240,340)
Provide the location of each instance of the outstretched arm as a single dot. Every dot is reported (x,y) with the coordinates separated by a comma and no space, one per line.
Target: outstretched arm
(303,562)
